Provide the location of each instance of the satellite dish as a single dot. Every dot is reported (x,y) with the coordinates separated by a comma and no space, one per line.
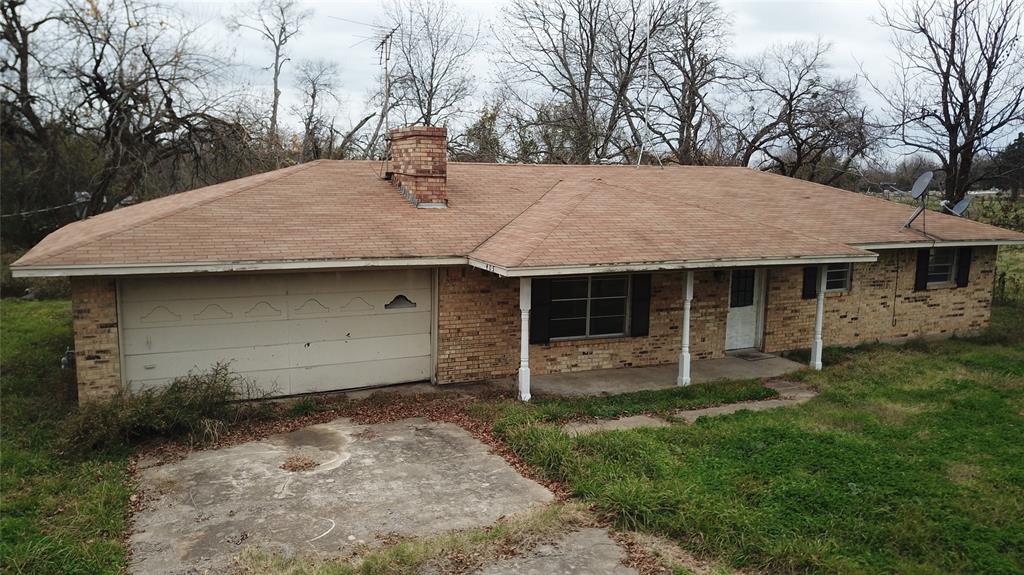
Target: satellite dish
(919,192)
(921,184)
(959,208)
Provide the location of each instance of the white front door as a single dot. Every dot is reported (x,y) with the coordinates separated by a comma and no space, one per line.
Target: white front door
(742,324)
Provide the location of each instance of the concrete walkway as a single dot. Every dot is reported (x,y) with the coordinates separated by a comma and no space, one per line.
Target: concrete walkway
(628,379)
(587,551)
(790,393)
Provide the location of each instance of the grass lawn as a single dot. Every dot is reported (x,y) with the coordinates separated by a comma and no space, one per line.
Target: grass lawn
(910,461)
(56,516)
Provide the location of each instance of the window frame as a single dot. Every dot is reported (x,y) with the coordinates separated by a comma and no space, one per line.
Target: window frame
(626,318)
(847,268)
(950,279)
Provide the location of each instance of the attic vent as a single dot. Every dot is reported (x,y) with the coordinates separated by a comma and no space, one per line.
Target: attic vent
(400,302)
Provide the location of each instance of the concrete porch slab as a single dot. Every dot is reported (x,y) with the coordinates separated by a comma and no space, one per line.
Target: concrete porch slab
(628,379)
(412,477)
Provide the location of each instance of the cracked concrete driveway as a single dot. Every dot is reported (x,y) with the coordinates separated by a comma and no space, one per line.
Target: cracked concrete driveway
(412,477)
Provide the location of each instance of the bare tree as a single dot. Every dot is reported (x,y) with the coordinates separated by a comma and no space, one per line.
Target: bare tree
(573,65)
(276,22)
(960,89)
(317,80)
(432,46)
(689,59)
(108,101)
(790,115)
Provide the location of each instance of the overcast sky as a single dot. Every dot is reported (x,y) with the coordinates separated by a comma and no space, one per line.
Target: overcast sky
(332,35)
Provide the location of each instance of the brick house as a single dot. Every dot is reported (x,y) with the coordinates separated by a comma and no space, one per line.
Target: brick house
(346,274)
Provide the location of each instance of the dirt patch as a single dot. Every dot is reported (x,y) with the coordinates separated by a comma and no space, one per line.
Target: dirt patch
(299,463)
(653,555)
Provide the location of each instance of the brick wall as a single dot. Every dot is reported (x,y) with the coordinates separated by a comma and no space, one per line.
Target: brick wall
(420,163)
(479,328)
(477,325)
(97,351)
(881,304)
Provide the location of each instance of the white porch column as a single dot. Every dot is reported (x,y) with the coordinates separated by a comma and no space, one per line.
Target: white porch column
(819,318)
(525,297)
(684,354)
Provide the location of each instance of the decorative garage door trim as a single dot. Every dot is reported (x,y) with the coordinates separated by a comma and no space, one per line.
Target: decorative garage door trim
(291,333)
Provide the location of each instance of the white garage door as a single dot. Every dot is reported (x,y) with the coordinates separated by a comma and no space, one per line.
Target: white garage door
(291,333)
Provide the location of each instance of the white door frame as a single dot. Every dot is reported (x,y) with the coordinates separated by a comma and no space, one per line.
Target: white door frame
(760,289)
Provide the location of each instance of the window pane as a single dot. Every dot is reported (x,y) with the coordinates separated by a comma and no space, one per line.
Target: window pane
(611,306)
(568,288)
(837,277)
(567,327)
(742,290)
(568,309)
(608,286)
(607,325)
(940,265)
(835,283)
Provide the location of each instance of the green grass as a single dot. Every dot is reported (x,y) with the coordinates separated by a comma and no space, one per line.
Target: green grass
(910,461)
(56,515)
(660,402)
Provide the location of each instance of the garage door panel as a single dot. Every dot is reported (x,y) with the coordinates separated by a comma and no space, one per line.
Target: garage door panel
(271,382)
(139,341)
(278,327)
(362,374)
(204,287)
(356,350)
(337,304)
(361,281)
(235,310)
(204,312)
(256,285)
(173,364)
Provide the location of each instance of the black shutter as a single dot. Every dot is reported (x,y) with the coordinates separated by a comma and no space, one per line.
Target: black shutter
(640,305)
(810,282)
(540,306)
(921,279)
(963,267)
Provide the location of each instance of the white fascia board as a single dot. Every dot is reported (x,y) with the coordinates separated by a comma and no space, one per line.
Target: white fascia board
(194,268)
(937,243)
(662,266)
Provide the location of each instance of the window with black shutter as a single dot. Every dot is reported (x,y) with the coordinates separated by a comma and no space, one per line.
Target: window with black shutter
(588,306)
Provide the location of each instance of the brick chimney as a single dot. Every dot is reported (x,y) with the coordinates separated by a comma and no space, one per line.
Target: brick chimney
(419,159)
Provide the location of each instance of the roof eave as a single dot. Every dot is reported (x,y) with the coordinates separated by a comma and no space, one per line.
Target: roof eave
(936,242)
(538,271)
(148,269)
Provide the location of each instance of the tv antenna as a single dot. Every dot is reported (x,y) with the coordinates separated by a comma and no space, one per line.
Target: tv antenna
(384,49)
(920,192)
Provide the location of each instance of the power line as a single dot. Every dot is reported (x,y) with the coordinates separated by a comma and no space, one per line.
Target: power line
(41,210)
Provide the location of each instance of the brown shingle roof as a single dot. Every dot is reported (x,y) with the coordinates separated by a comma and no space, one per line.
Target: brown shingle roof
(506,215)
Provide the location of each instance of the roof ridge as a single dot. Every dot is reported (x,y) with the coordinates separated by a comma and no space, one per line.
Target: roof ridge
(290,171)
(561,219)
(509,223)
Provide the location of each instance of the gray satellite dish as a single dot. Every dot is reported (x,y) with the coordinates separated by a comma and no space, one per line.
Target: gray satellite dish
(959,208)
(920,192)
(921,184)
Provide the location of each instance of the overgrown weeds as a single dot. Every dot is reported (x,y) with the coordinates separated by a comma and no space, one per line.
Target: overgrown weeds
(198,407)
